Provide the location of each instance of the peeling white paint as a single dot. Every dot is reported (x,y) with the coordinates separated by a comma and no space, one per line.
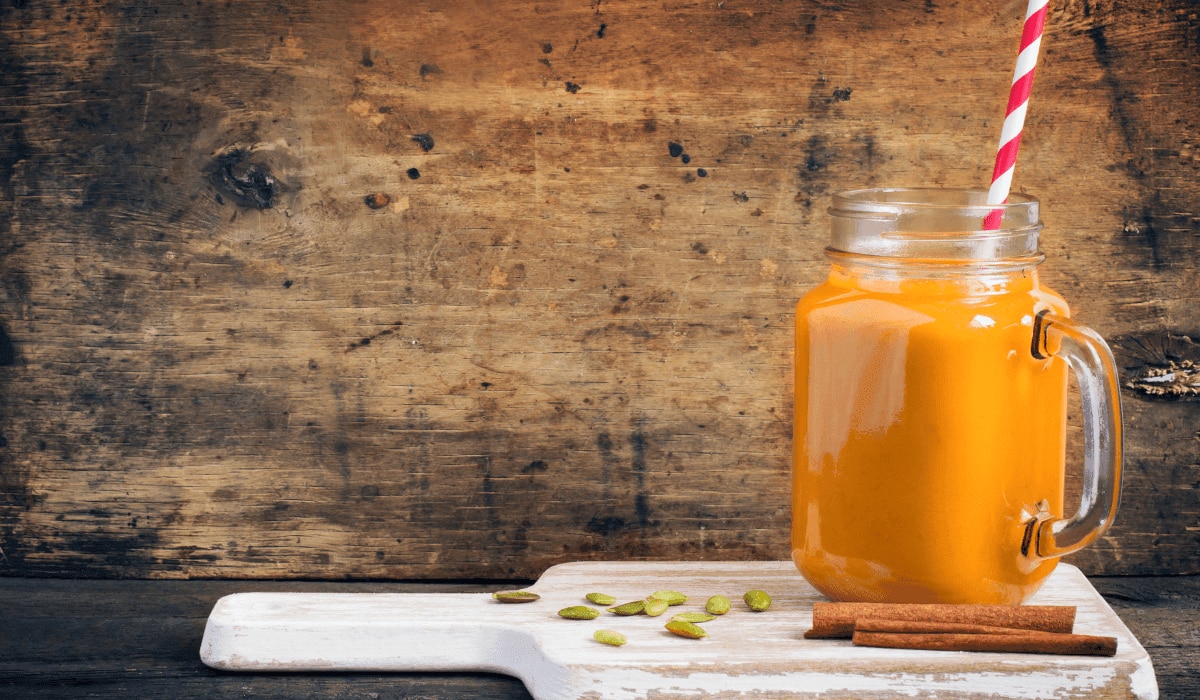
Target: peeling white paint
(750,656)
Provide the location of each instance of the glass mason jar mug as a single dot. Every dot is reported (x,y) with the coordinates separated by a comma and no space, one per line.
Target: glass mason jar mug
(930,406)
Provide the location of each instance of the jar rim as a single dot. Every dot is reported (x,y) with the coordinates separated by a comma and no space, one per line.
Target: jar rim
(934,223)
(935,197)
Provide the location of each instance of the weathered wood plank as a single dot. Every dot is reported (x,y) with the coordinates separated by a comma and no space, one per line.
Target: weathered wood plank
(1164,614)
(127,639)
(417,290)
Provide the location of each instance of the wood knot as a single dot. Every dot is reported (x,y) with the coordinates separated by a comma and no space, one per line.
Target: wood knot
(1160,365)
(1176,380)
(249,183)
(377,200)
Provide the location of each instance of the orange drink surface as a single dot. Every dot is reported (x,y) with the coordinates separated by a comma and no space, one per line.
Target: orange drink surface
(924,425)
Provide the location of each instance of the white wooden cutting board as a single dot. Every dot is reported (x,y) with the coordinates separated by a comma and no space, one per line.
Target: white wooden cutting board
(747,655)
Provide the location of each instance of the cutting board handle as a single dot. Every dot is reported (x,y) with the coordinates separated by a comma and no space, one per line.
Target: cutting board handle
(365,632)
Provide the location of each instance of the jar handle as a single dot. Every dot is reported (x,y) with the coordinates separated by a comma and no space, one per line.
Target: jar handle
(1047,536)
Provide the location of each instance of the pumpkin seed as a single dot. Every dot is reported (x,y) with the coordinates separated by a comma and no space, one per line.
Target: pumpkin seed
(611,637)
(717,605)
(515,596)
(579,612)
(694,617)
(757,600)
(672,597)
(686,629)
(601,599)
(634,608)
(655,606)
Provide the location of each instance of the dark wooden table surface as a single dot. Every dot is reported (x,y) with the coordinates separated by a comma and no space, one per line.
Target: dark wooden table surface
(141,639)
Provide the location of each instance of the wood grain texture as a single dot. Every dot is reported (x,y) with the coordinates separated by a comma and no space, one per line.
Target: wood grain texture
(152,631)
(1164,614)
(746,654)
(414,289)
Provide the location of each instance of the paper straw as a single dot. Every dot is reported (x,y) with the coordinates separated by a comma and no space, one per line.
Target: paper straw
(1014,116)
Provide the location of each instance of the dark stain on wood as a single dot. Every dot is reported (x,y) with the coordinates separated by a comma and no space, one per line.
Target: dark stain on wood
(866,141)
(605,526)
(103,552)
(641,499)
(1140,227)
(819,99)
(818,156)
(1148,226)
(16,499)
(15,150)
(425,141)
(572,87)
(1104,56)
(8,354)
(361,342)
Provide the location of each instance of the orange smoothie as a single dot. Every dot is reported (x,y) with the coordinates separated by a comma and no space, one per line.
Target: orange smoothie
(923,426)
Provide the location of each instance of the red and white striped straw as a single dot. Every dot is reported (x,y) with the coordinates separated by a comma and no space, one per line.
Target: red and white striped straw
(1014,119)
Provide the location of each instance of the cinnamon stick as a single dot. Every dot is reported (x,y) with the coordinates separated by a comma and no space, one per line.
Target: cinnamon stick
(1027,642)
(866,624)
(836,620)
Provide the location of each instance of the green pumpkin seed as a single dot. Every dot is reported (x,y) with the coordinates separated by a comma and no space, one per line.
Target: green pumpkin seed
(601,599)
(611,637)
(672,597)
(694,617)
(579,612)
(757,600)
(515,596)
(634,608)
(686,629)
(717,605)
(655,607)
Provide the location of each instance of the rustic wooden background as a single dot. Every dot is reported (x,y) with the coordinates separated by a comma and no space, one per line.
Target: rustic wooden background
(418,290)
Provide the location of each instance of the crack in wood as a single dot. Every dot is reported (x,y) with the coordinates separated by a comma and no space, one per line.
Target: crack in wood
(1160,365)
